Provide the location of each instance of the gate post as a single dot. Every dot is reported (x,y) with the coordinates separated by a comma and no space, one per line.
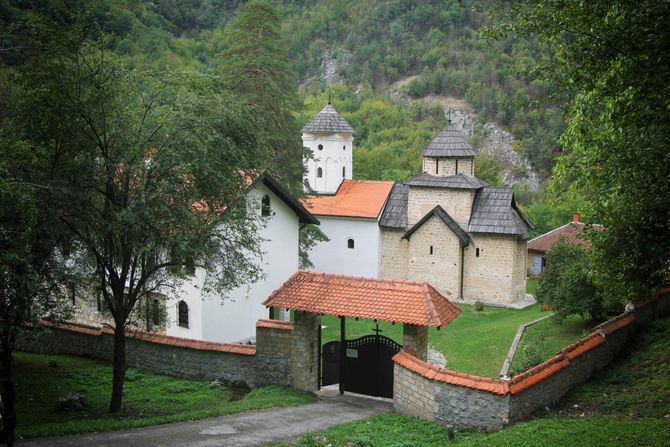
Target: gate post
(415,339)
(305,351)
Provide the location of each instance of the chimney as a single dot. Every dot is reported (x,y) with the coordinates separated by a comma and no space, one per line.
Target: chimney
(576,217)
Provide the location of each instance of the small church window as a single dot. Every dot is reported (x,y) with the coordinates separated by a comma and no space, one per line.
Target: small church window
(73,293)
(477,252)
(431,249)
(437,166)
(182,314)
(456,166)
(155,312)
(350,243)
(319,172)
(344,148)
(320,147)
(344,171)
(265,206)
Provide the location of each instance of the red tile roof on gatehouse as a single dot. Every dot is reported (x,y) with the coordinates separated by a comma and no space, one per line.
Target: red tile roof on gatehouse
(376,299)
(354,198)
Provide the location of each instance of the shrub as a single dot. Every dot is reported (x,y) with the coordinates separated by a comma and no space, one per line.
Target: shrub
(479,306)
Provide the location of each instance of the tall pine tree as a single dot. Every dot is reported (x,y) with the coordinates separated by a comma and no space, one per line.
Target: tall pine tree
(256,68)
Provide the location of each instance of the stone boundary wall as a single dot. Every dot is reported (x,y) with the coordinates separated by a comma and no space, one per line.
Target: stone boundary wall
(266,363)
(430,392)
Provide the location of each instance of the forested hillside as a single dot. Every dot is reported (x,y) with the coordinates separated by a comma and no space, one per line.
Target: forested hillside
(380,59)
(369,45)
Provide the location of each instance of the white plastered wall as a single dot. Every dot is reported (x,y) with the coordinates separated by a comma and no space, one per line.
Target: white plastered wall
(334,256)
(233,317)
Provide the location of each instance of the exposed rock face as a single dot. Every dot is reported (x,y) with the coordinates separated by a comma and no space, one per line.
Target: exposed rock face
(331,60)
(499,144)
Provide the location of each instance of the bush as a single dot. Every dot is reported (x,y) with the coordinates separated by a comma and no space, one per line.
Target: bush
(565,284)
(479,306)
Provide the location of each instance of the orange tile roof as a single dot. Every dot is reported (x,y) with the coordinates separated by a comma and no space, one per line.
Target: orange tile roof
(571,232)
(354,198)
(434,372)
(232,348)
(372,298)
(275,324)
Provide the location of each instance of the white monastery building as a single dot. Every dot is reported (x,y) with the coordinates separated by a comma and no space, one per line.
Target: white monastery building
(196,315)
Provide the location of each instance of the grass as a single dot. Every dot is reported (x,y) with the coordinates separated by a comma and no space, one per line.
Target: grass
(543,340)
(149,398)
(626,404)
(474,343)
(531,286)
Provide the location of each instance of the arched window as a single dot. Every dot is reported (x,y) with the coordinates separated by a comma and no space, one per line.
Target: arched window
(265,206)
(319,172)
(344,171)
(350,243)
(320,147)
(182,314)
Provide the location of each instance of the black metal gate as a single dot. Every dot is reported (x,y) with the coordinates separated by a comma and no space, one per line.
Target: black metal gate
(368,368)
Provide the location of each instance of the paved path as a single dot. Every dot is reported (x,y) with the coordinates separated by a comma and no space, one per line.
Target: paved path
(253,428)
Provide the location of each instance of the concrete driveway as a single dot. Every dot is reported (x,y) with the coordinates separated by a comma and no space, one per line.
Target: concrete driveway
(254,428)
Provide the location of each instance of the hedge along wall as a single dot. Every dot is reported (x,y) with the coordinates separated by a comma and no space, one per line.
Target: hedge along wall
(266,363)
(437,394)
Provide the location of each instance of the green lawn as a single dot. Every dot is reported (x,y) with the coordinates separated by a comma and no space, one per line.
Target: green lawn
(149,398)
(474,343)
(531,286)
(624,405)
(543,340)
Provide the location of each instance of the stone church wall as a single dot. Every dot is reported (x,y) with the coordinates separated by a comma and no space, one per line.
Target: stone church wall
(456,202)
(394,255)
(448,166)
(442,268)
(493,276)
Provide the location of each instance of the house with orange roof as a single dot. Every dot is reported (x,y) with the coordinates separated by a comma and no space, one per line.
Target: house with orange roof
(350,219)
(193,312)
(571,233)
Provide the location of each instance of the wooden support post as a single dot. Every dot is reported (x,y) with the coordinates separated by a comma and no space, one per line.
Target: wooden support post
(343,352)
(320,359)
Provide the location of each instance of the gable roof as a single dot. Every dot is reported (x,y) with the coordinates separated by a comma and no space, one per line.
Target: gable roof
(571,232)
(494,211)
(376,299)
(450,142)
(458,181)
(439,212)
(353,198)
(395,211)
(328,121)
(304,216)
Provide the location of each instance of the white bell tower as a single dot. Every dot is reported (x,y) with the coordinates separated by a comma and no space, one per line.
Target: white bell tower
(330,138)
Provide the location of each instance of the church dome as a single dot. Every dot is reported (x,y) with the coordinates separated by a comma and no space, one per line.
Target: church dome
(328,121)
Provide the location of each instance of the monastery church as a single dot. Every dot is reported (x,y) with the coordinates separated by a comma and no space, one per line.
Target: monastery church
(444,226)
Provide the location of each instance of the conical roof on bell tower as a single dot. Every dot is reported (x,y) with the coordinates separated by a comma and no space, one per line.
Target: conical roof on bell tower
(451,143)
(328,121)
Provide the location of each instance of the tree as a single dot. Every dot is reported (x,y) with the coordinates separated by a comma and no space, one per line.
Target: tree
(154,180)
(565,284)
(613,67)
(489,169)
(255,67)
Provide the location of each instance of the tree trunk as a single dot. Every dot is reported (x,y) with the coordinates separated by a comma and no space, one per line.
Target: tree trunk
(8,396)
(118,368)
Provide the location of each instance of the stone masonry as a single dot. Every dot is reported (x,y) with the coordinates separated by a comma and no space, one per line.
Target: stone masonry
(415,339)
(456,202)
(305,355)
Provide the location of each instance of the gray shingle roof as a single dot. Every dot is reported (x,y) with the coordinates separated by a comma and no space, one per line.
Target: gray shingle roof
(439,212)
(459,181)
(395,211)
(450,142)
(495,211)
(328,120)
